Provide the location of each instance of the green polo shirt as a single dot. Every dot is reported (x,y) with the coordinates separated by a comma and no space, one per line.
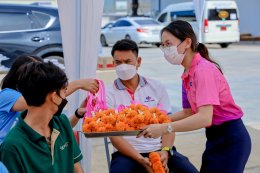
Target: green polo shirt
(26,151)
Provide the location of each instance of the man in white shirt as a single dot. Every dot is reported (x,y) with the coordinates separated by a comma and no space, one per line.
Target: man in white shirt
(132,153)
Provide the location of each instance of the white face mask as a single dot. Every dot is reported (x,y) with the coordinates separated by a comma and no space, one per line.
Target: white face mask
(172,56)
(126,71)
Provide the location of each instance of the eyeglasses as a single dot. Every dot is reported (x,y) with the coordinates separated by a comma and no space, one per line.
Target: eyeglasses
(168,45)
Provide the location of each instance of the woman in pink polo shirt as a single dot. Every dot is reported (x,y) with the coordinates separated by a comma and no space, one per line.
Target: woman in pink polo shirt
(210,103)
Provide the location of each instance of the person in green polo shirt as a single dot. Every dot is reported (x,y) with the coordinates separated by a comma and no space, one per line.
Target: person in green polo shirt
(43,140)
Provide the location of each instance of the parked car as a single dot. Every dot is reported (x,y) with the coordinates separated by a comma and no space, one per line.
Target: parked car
(220,20)
(29,29)
(139,29)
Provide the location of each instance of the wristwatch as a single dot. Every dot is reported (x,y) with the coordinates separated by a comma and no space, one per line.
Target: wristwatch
(169,150)
(169,128)
(78,115)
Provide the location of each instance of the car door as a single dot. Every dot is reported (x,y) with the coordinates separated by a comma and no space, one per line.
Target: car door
(127,30)
(16,34)
(222,25)
(111,32)
(23,31)
(118,31)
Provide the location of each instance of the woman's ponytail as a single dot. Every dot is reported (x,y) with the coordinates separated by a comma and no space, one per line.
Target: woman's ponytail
(203,50)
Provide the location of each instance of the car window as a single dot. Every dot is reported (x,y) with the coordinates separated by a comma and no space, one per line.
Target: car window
(188,15)
(107,25)
(41,18)
(162,18)
(222,14)
(124,23)
(146,22)
(117,23)
(14,21)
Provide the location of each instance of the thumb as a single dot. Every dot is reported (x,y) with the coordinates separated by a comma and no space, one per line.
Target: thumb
(143,132)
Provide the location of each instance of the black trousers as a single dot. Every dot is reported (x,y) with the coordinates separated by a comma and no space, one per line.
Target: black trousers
(227,149)
(176,164)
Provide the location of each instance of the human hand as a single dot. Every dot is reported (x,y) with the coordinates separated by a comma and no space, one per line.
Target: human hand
(153,131)
(90,85)
(164,159)
(145,162)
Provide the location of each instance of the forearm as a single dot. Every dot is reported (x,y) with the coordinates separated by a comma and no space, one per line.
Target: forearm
(72,87)
(80,111)
(78,168)
(168,140)
(181,115)
(20,105)
(73,120)
(197,121)
(125,148)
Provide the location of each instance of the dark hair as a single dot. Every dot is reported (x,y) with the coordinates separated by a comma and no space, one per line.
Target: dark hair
(125,44)
(10,80)
(36,80)
(182,30)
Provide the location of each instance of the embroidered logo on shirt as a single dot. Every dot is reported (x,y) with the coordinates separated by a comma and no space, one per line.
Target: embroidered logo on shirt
(64,146)
(148,99)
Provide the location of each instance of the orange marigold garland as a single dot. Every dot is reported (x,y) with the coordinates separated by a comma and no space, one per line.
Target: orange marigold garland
(130,118)
(155,159)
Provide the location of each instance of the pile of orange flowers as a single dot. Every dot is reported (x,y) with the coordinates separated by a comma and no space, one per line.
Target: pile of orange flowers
(131,118)
(155,159)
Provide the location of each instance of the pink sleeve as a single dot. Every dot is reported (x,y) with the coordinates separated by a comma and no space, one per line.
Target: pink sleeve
(207,92)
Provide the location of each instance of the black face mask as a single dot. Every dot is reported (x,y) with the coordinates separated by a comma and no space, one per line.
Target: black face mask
(61,106)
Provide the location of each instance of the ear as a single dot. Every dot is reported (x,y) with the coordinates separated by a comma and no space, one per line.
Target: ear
(139,61)
(52,97)
(188,42)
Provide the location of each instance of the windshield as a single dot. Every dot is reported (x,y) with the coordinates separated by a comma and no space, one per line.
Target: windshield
(188,15)
(222,14)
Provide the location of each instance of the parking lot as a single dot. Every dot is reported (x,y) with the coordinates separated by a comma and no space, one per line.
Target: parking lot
(240,63)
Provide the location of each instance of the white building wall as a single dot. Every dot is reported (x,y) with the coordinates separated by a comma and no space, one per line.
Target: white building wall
(249,12)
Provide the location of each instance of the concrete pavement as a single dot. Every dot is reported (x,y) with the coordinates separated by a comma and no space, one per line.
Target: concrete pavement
(191,144)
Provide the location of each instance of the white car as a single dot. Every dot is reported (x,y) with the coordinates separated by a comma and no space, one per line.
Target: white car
(142,30)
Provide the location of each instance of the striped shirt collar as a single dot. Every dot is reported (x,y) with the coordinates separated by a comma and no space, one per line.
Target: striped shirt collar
(120,86)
